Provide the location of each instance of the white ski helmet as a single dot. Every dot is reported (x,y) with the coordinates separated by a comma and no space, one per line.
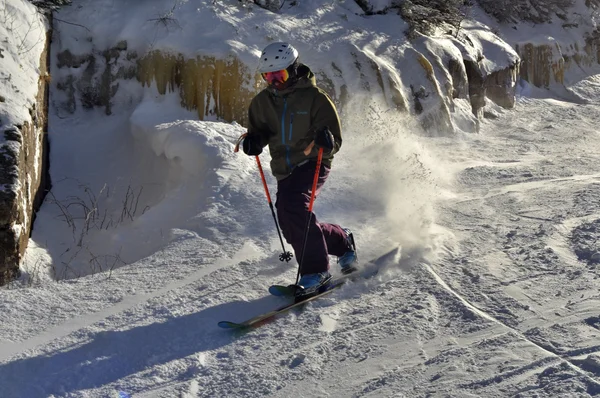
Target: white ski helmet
(277,56)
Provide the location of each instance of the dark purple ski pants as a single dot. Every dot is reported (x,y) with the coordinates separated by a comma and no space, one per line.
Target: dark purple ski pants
(293,200)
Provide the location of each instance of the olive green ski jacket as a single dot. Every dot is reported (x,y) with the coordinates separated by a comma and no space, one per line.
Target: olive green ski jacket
(287,120)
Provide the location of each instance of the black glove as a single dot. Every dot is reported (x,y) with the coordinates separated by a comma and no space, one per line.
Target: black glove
(324,139)
(252,145)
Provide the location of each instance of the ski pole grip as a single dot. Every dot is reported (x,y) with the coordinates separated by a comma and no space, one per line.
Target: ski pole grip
(239,141)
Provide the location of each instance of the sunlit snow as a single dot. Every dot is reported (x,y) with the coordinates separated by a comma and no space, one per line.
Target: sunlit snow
(481,239)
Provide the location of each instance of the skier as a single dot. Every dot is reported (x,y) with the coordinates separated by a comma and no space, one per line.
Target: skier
(296,118)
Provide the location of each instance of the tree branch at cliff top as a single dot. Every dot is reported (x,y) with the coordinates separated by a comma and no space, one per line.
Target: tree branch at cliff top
(50,5)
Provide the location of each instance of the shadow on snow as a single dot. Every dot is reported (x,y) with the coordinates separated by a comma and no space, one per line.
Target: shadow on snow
(110,356)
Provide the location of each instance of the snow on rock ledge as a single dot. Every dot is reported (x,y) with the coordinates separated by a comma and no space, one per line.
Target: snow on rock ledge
(23,126)
(492,66)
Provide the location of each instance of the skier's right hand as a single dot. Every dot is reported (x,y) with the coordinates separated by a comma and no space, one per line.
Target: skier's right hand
(324,139)
(252,145)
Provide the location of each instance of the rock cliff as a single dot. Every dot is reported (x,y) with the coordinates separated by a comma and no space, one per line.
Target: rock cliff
(23,134)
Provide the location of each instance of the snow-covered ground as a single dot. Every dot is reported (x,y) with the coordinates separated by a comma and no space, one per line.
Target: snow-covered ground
(480,291)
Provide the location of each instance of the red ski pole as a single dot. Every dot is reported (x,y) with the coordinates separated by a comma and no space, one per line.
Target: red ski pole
(310,207)
(285,255)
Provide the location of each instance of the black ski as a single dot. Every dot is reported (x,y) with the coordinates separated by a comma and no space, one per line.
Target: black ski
(289,291)
(367,270)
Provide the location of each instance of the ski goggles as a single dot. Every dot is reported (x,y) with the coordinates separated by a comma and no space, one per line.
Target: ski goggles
(280,76)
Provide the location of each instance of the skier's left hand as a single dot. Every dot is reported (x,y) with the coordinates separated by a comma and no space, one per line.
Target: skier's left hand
(251,145)
(324,139)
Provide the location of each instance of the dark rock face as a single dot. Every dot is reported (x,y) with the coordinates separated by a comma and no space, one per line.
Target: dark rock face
(501,86)
(24,178)
(477,90)
(98,83)
(459,83)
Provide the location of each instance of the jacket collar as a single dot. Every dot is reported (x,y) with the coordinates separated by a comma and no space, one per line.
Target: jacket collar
(305,79)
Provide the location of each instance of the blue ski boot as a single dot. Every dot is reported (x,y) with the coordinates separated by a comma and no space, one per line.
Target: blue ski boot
(311,283)
(347,260)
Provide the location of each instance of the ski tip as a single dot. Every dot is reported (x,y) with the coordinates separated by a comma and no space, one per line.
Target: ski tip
(229,325)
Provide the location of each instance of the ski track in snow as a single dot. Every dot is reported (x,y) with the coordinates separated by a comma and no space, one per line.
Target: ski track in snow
(554,299)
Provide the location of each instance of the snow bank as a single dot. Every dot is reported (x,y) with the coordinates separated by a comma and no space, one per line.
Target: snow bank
(196,146)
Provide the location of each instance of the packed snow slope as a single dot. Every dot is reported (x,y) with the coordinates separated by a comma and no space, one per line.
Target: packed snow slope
(496,304)
(156,230)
